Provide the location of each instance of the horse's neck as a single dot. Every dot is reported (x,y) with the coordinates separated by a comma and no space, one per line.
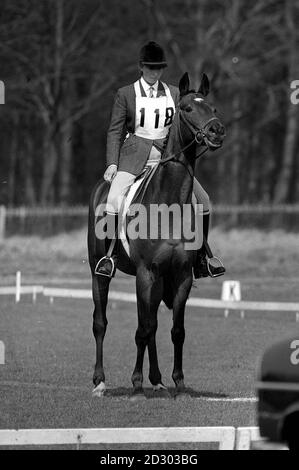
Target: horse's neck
(175,176)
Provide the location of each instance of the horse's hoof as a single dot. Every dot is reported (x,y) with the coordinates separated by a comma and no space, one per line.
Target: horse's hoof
(160,391)
(138,396)
(99,390)
(158,387)
(182,396)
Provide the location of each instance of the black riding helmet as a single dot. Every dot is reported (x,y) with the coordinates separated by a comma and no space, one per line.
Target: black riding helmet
(152,55)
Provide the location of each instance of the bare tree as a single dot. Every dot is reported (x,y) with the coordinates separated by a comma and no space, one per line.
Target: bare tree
(50,72)
(283,186)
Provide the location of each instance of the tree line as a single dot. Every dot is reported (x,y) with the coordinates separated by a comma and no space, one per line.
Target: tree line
(62,61)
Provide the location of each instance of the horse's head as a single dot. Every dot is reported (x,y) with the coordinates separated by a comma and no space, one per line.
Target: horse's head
(199,116)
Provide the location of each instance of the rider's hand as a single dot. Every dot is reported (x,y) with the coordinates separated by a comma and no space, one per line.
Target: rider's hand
(110,173)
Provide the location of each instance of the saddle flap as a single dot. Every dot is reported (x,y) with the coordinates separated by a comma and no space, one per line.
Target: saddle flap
(139,186)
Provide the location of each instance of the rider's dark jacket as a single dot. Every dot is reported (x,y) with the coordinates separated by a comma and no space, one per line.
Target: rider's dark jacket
(132,153)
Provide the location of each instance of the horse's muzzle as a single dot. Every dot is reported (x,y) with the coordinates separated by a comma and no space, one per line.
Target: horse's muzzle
(215,134)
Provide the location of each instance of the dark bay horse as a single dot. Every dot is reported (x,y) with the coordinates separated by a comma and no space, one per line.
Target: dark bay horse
(163,267)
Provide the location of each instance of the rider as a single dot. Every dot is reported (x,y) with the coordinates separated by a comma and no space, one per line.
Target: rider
(133,142)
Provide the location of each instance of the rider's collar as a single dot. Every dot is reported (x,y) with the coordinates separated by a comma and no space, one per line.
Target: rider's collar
(146,86)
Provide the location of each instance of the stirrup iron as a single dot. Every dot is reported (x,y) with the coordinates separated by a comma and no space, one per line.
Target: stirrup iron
(210,264)
(109,258)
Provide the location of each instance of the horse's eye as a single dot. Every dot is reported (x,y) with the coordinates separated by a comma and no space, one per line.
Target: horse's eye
(188,108)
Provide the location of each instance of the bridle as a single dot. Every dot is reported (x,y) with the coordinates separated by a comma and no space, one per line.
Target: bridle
(200,136)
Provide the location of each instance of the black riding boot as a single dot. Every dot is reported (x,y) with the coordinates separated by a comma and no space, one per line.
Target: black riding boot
(201,264)
(107,265)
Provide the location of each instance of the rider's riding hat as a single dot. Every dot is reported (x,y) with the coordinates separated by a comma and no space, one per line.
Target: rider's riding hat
(152,54)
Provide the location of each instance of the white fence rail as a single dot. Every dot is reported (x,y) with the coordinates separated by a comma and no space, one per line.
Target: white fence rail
(225,435)
(192,302)
(225,305)
(228,437)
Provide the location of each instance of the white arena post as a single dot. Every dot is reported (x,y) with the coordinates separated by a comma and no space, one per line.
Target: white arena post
(2,353)
(34,292)
(245,436)
(2,92)
(2,222)
(18,286)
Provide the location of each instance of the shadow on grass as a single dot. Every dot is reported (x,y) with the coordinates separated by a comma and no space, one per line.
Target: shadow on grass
(125,392)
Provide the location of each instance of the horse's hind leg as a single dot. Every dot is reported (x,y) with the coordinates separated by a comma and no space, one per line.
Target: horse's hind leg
(178,331)
(100,288)
(149,295)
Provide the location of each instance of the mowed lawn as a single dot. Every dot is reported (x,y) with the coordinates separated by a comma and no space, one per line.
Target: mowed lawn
(46,381)
(246,254)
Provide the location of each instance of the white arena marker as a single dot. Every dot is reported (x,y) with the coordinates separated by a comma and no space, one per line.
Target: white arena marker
(231,291)
(2,353)
(18,286)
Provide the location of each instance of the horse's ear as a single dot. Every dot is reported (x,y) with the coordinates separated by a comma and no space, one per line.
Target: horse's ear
(184,84)
(204,86)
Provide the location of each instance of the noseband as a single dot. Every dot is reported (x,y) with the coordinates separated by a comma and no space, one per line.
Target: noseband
(200,135)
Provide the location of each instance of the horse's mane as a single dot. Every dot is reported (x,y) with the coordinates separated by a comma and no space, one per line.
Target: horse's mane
(166,140)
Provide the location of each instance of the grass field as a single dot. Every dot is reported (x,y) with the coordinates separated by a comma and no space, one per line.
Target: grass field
(246,253)
(46,381)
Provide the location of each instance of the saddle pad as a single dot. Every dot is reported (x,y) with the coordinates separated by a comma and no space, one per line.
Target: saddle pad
(122,216)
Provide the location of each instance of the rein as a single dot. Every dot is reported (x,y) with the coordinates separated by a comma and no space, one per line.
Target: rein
(199,136)
(196,132)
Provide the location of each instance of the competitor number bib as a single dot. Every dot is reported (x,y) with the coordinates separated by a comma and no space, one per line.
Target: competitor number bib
(153,116)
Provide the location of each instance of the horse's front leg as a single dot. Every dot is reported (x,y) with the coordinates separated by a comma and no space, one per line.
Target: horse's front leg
(149,294)
(100,288)
(178,331)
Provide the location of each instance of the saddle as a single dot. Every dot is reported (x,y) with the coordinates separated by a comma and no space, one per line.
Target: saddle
(136,190)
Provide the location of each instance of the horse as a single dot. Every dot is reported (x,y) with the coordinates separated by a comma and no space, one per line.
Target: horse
(162,267)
